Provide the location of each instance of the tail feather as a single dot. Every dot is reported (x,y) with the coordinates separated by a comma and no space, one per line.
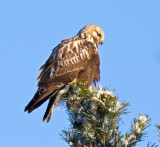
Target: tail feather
(41,102)
(49,110)
(39,99)
(53,102)
(36,104)
(34,99)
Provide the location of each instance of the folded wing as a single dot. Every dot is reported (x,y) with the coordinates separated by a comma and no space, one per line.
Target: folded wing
(70,58)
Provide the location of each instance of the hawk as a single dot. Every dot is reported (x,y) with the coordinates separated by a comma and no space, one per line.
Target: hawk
(74,58)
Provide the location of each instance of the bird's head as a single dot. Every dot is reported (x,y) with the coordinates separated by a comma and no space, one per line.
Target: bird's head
(94,31)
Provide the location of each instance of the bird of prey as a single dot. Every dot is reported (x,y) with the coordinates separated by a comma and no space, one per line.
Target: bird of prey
(74,58)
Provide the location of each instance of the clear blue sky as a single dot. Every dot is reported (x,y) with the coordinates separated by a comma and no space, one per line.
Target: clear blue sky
(130,61)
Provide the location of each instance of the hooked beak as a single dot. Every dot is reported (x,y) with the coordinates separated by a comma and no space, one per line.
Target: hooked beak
(101,42)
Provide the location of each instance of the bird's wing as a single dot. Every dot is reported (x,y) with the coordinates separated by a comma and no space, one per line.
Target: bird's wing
(63,66)
(66,61)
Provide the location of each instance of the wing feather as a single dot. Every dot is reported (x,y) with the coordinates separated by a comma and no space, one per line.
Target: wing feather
(71,59)
(66,61)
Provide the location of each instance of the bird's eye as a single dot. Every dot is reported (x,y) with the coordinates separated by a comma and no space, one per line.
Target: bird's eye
(99,35)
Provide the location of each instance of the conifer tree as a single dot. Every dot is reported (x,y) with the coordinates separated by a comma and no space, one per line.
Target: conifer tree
(95,115)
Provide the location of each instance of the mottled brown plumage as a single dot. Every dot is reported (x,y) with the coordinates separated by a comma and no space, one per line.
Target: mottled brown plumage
(75,58)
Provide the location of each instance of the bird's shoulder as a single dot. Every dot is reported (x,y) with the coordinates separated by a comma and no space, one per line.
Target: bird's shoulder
(71,48)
